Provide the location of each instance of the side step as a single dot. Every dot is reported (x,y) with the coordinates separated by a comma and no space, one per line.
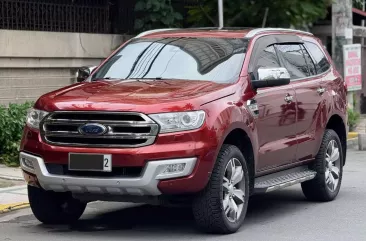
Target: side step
(283,179)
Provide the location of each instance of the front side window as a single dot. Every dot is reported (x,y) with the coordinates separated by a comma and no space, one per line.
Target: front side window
(321,62)
(294,60)
(268,58)
(208,59)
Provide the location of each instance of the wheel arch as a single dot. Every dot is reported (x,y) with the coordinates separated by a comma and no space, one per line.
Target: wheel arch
(337,124)
(240,138)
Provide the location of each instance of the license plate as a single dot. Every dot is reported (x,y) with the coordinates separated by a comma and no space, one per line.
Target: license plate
(90,162)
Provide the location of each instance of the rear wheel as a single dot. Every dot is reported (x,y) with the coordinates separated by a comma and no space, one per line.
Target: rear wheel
(329,167)
(222,206)
(54,208)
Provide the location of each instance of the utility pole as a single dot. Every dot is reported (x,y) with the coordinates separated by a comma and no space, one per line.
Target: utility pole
(221,13)
(363,24)
(342,34)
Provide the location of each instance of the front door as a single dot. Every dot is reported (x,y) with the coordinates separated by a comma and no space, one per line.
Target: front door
(276,125)
(276,121)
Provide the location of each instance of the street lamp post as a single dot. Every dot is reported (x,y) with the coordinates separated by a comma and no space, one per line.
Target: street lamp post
(221,13)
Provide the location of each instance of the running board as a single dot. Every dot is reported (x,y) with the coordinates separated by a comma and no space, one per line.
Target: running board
(283,179)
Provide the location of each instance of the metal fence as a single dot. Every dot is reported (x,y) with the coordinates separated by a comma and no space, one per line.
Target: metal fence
(90,16)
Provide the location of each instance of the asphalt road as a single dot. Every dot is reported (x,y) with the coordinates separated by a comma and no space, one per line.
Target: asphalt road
(281,215)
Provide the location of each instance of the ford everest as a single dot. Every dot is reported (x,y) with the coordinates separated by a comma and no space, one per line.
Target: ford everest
(205,117)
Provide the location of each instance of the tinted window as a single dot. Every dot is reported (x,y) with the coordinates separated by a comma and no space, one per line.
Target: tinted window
(309,61)
(321,62)
(268,58)
(208,59)
(294,60)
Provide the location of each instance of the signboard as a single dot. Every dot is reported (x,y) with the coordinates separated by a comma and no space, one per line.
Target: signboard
(352,66)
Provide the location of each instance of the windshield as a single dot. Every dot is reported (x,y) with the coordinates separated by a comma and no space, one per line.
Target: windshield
(208,59)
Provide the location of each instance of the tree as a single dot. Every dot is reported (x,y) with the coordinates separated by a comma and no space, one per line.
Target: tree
(250,13)
(358,3)
(156,14)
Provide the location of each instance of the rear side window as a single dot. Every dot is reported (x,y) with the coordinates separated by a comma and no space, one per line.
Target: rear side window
(294,60)
(320,61)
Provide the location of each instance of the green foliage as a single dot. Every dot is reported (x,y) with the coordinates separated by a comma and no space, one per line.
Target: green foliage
(357,4)
(12,120)
(249,13)
(353,119)
(156,14)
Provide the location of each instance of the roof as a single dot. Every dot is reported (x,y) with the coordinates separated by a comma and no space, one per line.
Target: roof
(215,32)
(359,12)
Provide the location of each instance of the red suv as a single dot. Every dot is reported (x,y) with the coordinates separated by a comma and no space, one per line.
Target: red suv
(204,117)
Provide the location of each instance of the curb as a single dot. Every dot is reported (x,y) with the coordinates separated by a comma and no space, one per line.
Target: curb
(11,178)
(352,135)
(5,208)
(353,142)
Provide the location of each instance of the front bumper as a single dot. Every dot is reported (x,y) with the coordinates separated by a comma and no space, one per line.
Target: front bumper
(145,185)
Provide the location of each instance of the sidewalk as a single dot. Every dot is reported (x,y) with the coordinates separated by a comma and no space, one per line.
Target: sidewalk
(10,173)
(15,197)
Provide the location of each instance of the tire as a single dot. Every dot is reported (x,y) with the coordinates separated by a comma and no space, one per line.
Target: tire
(208,206)
(320,188)
(54,208)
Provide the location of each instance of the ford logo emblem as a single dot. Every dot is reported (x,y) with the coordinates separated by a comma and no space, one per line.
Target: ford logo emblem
(92,129)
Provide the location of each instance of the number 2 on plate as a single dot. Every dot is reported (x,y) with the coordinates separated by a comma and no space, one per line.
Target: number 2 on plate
(107,165)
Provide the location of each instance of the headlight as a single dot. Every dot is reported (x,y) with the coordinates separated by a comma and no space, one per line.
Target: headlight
(34,117)
(179,121)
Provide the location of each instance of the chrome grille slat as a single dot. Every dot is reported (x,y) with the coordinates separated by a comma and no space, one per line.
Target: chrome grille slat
(63,121)
(107,135)
(102,137)
(124,133)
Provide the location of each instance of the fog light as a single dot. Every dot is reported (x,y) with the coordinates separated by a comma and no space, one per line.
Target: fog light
(171,170)
(27,163)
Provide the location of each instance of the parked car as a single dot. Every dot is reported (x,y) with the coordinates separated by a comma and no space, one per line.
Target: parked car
(203,117)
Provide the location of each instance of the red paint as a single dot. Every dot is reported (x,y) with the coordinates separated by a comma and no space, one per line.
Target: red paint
(283,135)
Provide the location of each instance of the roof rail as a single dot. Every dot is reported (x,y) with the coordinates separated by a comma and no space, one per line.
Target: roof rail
(154,31)
(194,28)
(254,32)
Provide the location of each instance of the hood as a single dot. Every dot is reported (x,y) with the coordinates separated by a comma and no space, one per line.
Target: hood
(134,95)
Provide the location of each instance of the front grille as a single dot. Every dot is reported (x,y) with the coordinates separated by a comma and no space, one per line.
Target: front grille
(128,172)
(123,129)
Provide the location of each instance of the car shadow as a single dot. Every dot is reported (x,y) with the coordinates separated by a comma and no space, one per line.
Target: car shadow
(156,219)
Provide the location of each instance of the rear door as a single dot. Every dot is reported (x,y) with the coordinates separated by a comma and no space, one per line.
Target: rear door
(309,95)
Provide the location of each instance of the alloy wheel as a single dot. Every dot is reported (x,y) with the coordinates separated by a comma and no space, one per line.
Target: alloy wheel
(233,190)
(332,166)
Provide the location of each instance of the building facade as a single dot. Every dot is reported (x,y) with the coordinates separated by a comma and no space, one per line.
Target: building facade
(44,42)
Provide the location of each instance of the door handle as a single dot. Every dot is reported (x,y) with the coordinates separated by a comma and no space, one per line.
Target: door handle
(320,90)
(289,98)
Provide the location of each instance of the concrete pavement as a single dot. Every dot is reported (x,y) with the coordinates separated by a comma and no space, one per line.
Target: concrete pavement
(14,197)
(281,215)
(11,173)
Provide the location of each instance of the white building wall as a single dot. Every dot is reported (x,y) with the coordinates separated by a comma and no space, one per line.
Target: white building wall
(33,63)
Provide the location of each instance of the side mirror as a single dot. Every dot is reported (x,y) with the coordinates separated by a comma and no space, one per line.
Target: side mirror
(270,77)
(84,72)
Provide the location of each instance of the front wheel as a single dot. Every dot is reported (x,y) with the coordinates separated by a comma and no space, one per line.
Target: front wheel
(54,208)
(222,206)
(329,167)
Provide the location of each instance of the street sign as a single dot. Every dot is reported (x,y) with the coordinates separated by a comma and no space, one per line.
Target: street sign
(352,66)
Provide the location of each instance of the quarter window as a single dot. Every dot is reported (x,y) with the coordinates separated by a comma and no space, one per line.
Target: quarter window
(320,61)
(309,61)
(294,60)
